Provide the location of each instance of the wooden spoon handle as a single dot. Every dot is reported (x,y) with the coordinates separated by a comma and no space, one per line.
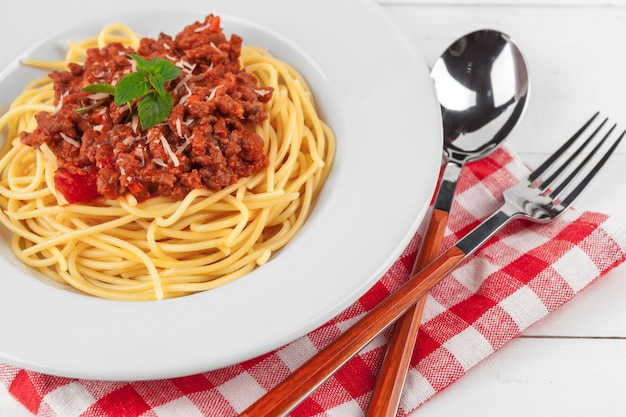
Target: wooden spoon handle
(386,396)
(293,389)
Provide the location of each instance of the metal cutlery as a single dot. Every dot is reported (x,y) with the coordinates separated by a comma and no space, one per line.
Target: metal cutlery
(542,196)
(467,80)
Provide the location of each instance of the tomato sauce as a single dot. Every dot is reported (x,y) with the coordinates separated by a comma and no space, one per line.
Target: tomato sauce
(207,141)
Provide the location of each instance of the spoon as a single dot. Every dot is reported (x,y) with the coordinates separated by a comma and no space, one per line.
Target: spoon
(481,101)
(482,86)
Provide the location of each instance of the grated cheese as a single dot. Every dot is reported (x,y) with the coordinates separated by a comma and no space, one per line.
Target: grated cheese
(184,98)
(168,150)
(183,82)
(201,28)
(213,93)
(179,128)
(182,147)
(189,66)
(70,140)
(134,122)
(139,153)
(215,47)
(59,104)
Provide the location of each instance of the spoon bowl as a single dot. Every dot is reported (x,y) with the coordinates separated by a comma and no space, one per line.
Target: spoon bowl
(481,82)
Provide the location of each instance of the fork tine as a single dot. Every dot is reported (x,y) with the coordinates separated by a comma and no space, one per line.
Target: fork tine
(558,171)
(558,190)
(548,162)
(583,183)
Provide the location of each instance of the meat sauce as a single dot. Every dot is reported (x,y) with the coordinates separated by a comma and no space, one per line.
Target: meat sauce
(207,141)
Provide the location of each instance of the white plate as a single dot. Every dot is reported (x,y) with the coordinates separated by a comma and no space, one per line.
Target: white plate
(373,89)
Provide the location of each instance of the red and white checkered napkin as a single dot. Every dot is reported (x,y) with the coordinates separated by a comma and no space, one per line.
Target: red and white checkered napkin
(521,275)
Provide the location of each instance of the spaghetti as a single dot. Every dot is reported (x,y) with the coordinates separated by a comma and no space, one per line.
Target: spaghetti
(160,248)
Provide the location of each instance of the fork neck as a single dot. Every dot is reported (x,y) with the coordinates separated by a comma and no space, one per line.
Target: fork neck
(489,227)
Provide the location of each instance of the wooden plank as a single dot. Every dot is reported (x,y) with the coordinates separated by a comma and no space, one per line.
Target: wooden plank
(540,377)
(503,3)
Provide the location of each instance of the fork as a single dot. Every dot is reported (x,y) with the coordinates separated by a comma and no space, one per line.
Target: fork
(546,193)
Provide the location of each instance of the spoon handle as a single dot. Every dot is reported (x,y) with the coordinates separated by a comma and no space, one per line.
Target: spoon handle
(292,390)
(386,395)
(388,389)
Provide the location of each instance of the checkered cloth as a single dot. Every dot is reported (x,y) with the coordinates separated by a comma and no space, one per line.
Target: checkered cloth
(521,275)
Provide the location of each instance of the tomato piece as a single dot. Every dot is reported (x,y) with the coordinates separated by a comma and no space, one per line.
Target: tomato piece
(214,24)
(77,185)
(136,187)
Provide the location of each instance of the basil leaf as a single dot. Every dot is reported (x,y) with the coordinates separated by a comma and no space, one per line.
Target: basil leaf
(165,70)
(158,84)
(130,87)
(100,88)
(146,83)
(153,109)
(143,66)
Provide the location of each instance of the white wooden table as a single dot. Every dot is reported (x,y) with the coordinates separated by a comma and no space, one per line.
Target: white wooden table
(573,363)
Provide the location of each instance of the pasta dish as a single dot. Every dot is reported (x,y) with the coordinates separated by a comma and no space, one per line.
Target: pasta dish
(144,169)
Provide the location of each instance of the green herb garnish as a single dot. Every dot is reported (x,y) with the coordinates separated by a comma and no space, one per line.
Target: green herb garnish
(148,84)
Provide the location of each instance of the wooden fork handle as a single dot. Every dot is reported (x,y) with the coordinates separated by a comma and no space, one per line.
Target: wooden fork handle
(293,389)
(386,395)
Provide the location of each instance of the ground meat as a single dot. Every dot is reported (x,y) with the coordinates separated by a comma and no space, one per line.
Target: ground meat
(207,141)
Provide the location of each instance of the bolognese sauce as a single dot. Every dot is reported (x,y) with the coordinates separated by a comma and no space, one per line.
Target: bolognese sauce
(207,141)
